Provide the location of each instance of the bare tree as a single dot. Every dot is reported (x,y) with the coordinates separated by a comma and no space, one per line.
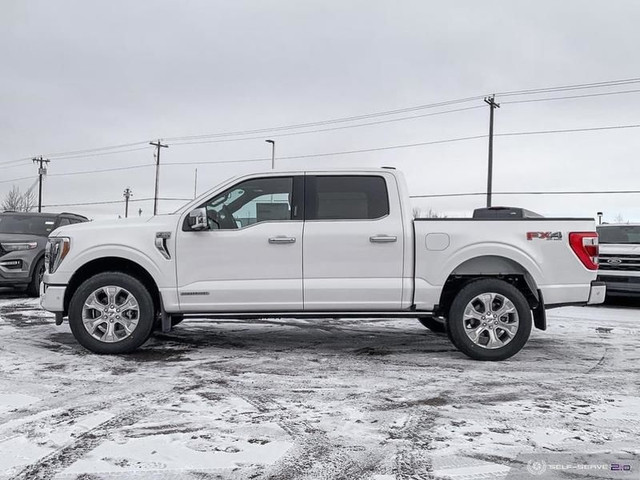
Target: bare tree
(417,213)
(19,202)
(618,218)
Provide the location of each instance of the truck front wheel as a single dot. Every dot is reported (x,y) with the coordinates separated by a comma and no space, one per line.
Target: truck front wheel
(111,312)
(489,319)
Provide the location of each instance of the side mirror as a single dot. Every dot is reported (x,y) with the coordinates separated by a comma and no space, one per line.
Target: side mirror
(197,219)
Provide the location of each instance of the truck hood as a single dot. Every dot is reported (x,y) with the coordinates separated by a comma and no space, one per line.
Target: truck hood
(158,222)
(19,237)
(619,249)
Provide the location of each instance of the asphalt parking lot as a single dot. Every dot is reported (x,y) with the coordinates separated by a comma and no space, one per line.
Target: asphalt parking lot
(313,399)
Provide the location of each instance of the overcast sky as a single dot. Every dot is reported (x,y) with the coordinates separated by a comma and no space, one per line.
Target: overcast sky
(78,75)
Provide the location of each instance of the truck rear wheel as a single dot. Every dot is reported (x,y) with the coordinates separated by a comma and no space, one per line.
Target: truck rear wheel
(111,312)
(489,319)
(433,324)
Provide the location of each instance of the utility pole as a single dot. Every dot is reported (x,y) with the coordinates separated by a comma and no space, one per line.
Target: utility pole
(158,146)
(127,194)
(273,153)
(492,106)
(42,171)
(195,185)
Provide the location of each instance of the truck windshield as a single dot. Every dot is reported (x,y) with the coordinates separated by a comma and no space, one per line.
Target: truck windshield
(619,234)
(27,224)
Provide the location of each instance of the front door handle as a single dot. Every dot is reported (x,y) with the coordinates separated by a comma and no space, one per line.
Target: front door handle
(281,239)
(383,239)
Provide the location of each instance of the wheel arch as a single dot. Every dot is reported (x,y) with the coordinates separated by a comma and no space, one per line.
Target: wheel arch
(34,262)
(499,267)
(112,264)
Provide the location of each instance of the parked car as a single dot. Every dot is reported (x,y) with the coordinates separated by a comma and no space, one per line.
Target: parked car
(318,244)
(23,237)
(620,258)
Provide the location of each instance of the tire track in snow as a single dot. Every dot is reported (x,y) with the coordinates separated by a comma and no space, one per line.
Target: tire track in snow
(47,467)
(412,459)
(314,456)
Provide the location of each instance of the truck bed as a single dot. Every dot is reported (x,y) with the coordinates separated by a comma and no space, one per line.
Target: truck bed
(538,247)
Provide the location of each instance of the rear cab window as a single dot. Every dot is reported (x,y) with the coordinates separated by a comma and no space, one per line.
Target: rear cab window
(346,197)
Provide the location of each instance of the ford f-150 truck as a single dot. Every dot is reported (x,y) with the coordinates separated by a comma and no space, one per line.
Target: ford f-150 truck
(318,244)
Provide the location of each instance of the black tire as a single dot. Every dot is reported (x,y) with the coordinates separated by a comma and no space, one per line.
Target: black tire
(456,324)
(433,324)
(140,333)
(33,289)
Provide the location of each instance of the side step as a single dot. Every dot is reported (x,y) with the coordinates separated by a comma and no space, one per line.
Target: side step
(322,314)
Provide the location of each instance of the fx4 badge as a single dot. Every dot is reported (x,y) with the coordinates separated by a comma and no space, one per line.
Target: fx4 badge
(544,235)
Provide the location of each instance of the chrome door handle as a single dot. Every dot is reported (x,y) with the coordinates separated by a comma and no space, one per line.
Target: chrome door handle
(282,239)
(383,239)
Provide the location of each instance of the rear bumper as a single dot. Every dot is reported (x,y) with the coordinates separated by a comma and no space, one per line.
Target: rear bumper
(52,297)
(597,293)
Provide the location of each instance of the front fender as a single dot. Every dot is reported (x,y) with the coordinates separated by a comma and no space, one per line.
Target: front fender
(158,268)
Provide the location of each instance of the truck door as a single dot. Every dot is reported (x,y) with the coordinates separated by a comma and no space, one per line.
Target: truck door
(251,257)
(353,243)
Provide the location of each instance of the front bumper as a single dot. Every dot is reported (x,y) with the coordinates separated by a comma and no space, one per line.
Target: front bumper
(52,297)
(597,293)
(15,276)
(621,285)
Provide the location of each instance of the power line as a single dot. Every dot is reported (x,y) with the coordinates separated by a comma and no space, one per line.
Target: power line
(329,129)
(561,192)
(325,122)
(579,86)
(568,130)
(115,169)
(344,152)
(16,179)
(69,157)
(571,97)
(604,84)
(109,202)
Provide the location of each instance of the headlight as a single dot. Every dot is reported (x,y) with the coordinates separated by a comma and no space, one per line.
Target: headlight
(57,248)
(16,246)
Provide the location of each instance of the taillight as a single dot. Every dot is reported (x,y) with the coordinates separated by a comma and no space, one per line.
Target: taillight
(585,246)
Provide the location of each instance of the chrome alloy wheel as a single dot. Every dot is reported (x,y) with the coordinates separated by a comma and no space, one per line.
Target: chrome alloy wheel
(490,320)
(110,314)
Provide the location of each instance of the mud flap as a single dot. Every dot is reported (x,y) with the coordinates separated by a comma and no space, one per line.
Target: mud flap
(165,320)
(540,314)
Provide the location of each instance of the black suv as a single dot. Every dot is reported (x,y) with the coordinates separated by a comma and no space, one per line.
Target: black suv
(23,238)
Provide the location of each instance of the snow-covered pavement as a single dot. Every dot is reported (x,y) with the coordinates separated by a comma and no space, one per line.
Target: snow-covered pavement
(313,399)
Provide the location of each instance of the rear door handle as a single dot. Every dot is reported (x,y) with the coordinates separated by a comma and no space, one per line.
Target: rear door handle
(281,239)
(383,239)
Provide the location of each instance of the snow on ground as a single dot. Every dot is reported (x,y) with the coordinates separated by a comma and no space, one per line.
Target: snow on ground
(312,399)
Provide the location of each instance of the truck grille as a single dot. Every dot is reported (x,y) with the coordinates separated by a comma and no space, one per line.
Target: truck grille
(2,251)
(621,262)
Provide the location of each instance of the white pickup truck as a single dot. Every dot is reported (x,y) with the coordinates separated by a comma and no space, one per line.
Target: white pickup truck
(318,244)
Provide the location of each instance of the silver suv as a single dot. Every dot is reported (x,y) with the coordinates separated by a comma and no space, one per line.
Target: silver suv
(23,238)
(620,258)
